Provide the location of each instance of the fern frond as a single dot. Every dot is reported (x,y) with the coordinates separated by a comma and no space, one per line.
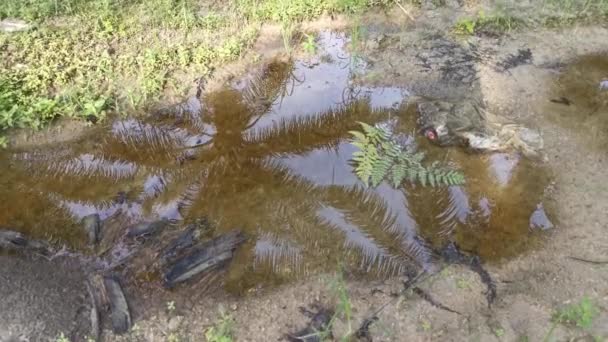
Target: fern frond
(381,157)
(398,174)
(380,169)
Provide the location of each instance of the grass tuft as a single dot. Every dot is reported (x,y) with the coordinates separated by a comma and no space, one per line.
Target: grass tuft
(492,24)
(222,331)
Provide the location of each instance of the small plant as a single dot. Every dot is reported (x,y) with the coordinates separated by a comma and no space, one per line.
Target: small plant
(309,44)
(463,284)
(426,325)
(171,307)
(499,332)
(345,306)
(62,338)
(381,157)
(173,338)
(222,331)
(357,33)
(343,309)
(465,27)
(287,31)
(494,23)
(580,315)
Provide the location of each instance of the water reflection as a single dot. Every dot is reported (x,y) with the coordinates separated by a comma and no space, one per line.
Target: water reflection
(270,156)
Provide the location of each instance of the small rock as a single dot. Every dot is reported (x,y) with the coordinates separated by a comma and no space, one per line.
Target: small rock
(13,25)
(604,85)
(92,226)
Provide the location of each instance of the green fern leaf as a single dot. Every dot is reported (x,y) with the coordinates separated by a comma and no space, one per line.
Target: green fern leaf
(422,177)
(431,178)
(358,136)
(398,174)
(379,158)
(380,169)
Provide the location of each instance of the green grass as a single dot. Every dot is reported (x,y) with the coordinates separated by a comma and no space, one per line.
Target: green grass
(222,331)
(580,315)
(509,15)
(309,45)
(89,58)
(494,23)
(559,13)
(344,309)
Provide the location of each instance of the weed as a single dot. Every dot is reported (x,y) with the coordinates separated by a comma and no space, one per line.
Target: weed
(222,331)
(173,338)
(287,32)
(294,11)
(426,325)
(309,44)
(344,308)
(580,315)
(499,332)
(351,6)
(62,338)
(493,24)
(558,13)
(462,283)
(465,26)
(357,33)
(171,307)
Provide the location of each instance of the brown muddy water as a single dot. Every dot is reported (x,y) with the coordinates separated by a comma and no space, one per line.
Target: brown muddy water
(580,100)
(270,155)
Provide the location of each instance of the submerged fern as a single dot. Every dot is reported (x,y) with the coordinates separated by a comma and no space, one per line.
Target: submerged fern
(382,158)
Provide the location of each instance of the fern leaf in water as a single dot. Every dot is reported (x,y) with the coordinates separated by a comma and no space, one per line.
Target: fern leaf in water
(380,169)
(380,157)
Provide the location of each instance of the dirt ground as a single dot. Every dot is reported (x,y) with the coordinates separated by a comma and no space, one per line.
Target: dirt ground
(531,287)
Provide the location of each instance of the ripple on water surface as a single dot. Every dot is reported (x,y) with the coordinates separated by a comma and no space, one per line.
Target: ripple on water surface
(270,155)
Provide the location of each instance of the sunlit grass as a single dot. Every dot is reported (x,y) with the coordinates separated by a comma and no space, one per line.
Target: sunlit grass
(88,58)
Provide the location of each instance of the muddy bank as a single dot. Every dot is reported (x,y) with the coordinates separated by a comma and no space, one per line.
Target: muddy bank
(41,299)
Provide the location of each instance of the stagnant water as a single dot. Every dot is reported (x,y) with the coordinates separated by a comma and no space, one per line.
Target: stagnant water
(272,159)
(580,96)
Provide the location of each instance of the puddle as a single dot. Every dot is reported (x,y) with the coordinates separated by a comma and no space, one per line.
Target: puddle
(581,93)
(270,156)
